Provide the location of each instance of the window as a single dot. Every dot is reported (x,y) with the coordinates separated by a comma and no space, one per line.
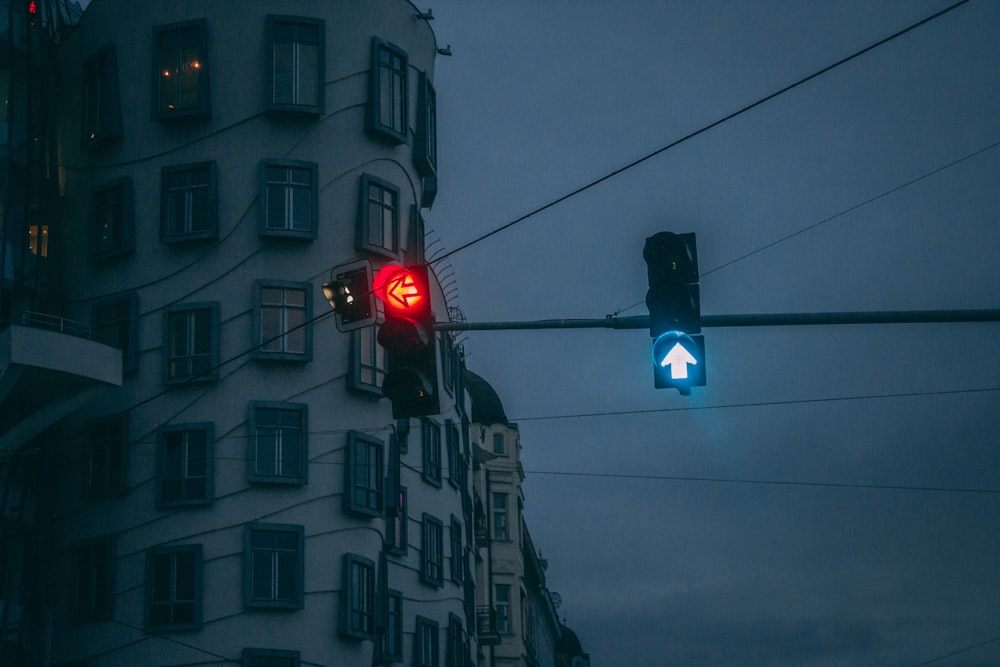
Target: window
(502,598)
(390,648)
(173,588)
(396,535)
(262,657)
(363,475)
(278,442)
(297,61)
(273,566)
(369,363)
(115,323)
(432,452)
(188,205)
(449,358)
(455,653)
(378,217)
(498,445)
(107,457)
(457,551)
(500,530)
(193,342)
(180,70)
(184,465)
(111,220)
(289,197)
(456,464)
(432,554)
(93,565)
(426,643)
(357,615)
(102,113)
(425,142)
(387,93)
(282,311)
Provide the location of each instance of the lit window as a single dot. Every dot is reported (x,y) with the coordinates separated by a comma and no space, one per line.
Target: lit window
(188,208)
(193,342)
(278,442)
(289,198)
(38,239)
(173,588)
(273,566)
(378,222)
(432,551)
(297,62)
(181,72)
(281,313)
(358,602)
(184,465)
(363,475)
(387,92)
(93,564)
(111,231)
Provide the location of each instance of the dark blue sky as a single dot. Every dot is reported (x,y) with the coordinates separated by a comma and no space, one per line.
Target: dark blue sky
(882,177)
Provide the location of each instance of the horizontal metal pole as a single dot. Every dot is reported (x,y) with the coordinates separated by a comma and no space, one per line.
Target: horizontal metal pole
(747,320)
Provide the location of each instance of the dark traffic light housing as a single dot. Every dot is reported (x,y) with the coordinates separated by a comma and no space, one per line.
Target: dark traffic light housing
(351,295)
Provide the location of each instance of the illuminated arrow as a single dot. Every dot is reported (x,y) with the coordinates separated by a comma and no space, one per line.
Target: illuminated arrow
(402,291)
(678,359)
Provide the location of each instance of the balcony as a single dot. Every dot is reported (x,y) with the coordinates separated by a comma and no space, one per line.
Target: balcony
(486,626)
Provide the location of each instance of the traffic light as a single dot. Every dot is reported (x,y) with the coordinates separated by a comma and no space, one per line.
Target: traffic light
(351,295)
(407,334)
(674,303)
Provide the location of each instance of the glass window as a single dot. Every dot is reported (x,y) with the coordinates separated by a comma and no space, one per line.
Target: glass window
(93,564)
(115,323)
(185,465)
(181,72)
(102,118)
(498,444)
(111,220)
(173,588)
(500,529)
(391,644)
(455,653)
(188,203)
(502,599)
(107,460)
(426,648)
(297,61)
(278,442)
(432,452)
(289,198)
(261,657)
(273,566)
(432,551)
(358,610)
(193,342)
(282,312)
(387,93)
(456,463)
(396,535)
(363,475)
(457,551)
(425,142)
(378,222)
(369,363)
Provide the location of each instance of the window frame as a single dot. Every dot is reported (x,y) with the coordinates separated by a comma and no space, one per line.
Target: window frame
(251,602)
(114,475)
(497,512)
(195,552)
(101,67)
(202,107)
(129,330)
(117,198)
(287,231)
(207,429)
(83,556)
(507,626)
(430,439)
(188,233)
(425,137)
(456,462)
(374,453)
(295,107)
(258,321)
(432,551)
(396,532)
(367,359)
(300,477)
(373,118)
(457,551)
(431,643)
(358,607)
(387,652)
(248,655)
(455,642)
(189,309)
(362,239)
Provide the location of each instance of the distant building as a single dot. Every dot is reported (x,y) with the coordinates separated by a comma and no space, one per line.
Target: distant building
(517,620)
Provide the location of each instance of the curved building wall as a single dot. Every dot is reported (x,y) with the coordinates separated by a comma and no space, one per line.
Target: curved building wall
(133,517)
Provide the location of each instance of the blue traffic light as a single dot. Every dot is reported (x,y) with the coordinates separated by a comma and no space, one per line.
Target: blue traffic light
(679,361)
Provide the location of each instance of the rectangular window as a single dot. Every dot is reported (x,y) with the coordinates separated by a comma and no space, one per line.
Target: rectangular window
(456,464)
(111,220)
(378,217)
(396,534)
(296,53)
(262,657)
(193,342)
(500,529)
(115,323)
(180,69)
(107,457)
(369,363)
(425,142)
(455,653)
(498,444)
(282,311)
(388,88)
(426,648)
(173,588)
(363,476)
(102,115)
(457,551)
(358,599)
(273,566)
(432,551)
(278,442)
(289,196)
(391,641)
(188,205)
(185,465)
(502,598)
(93,566)
(432,452)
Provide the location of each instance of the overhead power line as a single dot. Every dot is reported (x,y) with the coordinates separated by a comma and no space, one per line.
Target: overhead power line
(703,130)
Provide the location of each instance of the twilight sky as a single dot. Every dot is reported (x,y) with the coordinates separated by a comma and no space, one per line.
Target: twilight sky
(781,514)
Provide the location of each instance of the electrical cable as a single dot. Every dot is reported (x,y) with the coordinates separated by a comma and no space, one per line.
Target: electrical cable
(704,129)
(959,651)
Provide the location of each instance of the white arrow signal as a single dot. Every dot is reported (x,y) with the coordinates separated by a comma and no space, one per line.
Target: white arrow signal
(678,359)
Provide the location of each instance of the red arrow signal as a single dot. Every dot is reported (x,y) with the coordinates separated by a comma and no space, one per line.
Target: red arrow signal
(403,289)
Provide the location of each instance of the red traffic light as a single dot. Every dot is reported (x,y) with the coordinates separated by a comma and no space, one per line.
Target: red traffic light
(403,289)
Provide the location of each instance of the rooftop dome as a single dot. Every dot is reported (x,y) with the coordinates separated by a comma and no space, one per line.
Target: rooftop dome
(486,405)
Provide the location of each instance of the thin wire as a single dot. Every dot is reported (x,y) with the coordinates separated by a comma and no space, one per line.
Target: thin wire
(959,651)
(703,130)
